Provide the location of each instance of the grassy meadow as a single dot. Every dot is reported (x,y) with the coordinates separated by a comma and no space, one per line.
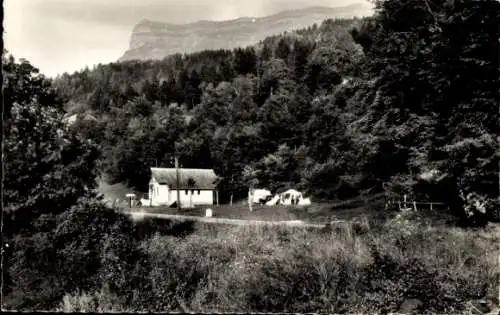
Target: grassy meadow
(317,212)
(406,264)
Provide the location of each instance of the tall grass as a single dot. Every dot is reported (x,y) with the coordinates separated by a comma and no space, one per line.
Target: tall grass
(84,302)
(352,267)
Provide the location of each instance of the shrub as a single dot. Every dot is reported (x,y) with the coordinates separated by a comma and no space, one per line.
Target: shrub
(95,244)
(176,271)
(99,301)
(147,227)
(89,246)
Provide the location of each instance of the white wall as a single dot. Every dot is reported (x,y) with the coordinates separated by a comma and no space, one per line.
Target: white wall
(204,198)
(160,194)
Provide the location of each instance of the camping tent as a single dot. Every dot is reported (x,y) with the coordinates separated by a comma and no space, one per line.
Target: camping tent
(290,195)
(304,201)
(260,194)
(273,201)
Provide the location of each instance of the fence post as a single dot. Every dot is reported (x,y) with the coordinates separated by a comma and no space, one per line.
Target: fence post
(431,206)
(415,206)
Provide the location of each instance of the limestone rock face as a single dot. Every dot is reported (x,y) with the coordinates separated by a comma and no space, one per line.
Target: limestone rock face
(156,40)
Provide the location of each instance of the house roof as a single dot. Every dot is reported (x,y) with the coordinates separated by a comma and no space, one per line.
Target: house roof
(203,178)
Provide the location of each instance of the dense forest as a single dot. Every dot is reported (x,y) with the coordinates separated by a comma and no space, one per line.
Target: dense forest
(258,106)
(405,101)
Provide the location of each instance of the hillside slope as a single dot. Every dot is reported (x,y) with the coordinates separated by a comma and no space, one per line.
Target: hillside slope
(155,40)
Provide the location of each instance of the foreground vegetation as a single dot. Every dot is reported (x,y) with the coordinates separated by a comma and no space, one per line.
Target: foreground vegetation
(364,267)
(109,263)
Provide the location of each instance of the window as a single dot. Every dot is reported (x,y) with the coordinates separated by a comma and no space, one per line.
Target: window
(198,191)
(192,191)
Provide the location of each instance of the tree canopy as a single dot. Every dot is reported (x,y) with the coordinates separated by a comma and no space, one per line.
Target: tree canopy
(55,231)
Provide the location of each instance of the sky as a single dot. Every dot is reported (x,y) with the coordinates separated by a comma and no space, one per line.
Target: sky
(60,36)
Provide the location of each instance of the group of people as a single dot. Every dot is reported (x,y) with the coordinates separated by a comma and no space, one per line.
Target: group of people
(295,200)
(293,196)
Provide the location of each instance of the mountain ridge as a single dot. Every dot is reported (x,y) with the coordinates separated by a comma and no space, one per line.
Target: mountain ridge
(317,9)
(156,40)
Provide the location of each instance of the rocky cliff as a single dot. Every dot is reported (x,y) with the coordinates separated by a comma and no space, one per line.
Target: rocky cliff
(155,40)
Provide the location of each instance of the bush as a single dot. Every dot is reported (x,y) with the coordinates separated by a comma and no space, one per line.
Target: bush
(176,271)
(90,246)
(393,282)
(147,227)
(99,301)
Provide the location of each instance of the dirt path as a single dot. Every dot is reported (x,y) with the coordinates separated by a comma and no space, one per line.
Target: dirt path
(141,215)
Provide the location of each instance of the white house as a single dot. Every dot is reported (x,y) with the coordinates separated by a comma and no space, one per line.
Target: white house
(197,186)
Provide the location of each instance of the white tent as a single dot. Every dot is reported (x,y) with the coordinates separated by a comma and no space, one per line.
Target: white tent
(259,194)
(287,196)
(273,201)
(304,201)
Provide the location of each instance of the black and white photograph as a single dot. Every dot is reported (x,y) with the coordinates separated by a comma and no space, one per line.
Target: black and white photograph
(263,156)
